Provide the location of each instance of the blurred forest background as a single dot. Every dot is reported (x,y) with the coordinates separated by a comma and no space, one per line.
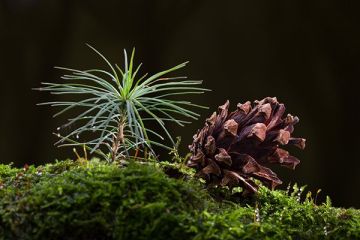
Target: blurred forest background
(304,52)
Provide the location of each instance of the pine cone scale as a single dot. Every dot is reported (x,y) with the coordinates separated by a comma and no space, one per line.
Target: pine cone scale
(223,157)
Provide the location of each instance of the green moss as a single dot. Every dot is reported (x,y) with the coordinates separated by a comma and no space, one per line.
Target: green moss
(281,217)
(95,200)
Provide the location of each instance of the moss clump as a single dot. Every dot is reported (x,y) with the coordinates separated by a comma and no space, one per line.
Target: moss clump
(95,200)
(67,200)
(280,216)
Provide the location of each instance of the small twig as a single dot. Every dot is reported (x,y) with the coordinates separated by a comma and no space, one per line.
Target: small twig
(119,139)
(136,153)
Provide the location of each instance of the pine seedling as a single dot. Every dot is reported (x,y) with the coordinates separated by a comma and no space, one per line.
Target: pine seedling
(116,106)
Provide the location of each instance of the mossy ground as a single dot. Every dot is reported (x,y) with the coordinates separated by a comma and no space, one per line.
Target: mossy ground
(96,200)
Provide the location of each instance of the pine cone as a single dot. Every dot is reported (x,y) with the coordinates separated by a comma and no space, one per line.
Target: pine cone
(231,149)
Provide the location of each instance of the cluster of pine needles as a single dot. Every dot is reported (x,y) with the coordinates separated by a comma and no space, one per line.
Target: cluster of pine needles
(117,106)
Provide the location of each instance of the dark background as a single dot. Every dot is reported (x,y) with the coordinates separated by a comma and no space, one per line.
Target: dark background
(304,52)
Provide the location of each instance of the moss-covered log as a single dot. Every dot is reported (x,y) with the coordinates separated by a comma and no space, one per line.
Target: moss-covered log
(96,200)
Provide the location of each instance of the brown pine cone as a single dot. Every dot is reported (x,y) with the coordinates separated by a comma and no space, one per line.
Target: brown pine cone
(231,148)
